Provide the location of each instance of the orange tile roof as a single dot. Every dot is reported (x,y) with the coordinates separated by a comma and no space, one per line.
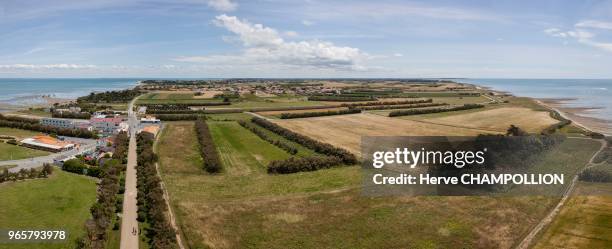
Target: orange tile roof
(153,129)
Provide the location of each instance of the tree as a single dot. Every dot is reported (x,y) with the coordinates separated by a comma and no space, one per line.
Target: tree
(516,131)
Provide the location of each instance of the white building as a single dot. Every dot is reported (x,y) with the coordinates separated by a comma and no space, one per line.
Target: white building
(107,125)
(65,123)
(149,120)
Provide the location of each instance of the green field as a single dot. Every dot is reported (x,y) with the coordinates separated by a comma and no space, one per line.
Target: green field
(584,221)
(245,207)
(60,202)
(14,152)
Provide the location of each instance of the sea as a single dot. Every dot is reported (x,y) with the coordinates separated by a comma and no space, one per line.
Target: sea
(588,93)
(28,91)
(593,94)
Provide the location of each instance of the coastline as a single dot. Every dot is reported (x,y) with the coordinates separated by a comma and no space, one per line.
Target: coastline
(574,114)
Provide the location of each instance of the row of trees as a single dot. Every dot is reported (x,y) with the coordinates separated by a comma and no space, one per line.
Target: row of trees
(340,98)
(302,164)
(110,96)
(178,117)
(74,115)
(122,143)
(319,147)
(104,210)
(261,134)
(401,102)
(208,150)
(182,106)
(82,133)
(23,174)
(289,115)
(433,110)
(150,198)
(387,107)
(554,127)
(19,119)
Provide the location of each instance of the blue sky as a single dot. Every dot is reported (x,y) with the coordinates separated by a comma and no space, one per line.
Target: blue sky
(306,38)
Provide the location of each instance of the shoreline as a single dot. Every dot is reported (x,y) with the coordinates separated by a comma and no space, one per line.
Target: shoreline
(574,114)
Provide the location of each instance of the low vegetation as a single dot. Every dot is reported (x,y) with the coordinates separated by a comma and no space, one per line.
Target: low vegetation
(400,102)
(318,114)
(340,98)
(212,164)
(72,115)
(409,106)
(595,175)
(278,143)
(319,147)
(60,201)
(433,110)
(303,164)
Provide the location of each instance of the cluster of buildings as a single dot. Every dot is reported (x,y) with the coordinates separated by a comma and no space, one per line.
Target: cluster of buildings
(102,124)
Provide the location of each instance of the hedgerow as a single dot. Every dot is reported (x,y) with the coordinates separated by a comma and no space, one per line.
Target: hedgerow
(433,110)
(284,146)
(288,115)
(208,150)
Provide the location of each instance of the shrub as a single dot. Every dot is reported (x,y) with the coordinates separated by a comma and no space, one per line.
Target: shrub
(341,98)
(80,115)
(386,107)
(297,164)
(433,110)
(208,150)
(403,102)
(318,114)
(319,147)
(595,175)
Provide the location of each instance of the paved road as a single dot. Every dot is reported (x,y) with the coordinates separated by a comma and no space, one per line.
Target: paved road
(86,145)
(129,224)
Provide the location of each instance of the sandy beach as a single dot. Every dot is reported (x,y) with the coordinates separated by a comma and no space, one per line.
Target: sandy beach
(576,114)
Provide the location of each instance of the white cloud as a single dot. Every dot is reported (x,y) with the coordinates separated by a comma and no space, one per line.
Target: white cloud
(46,66)
(307,23)
(265,45)
(582,36)
(222,5)
(594,24)
(398,55)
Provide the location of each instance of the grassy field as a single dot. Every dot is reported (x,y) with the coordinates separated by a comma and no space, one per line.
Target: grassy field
(60,202)
(584,221)
(14,152)
(245,207)
(17,132)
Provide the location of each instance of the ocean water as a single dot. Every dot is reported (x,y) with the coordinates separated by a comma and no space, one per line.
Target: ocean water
(591,93)
(25,91)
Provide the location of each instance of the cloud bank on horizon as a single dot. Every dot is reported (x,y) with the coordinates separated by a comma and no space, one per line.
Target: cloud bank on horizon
(310,38)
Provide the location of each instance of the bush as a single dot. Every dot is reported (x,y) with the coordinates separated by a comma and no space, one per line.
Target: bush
(341,98)
(284,146)
(75,166)
(208,150)
(403,102)
(319,147)
(296,164)
(433,110)
(386,107)
(318,114)
(595,175)
(73,115)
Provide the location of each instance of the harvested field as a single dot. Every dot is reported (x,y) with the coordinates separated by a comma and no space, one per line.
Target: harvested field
(499,119)
(207,94)
(346,130)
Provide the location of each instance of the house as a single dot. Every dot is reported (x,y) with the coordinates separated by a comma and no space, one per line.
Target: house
(106,125)
(149,120)
(142,110)
(47,143)
(153,129)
